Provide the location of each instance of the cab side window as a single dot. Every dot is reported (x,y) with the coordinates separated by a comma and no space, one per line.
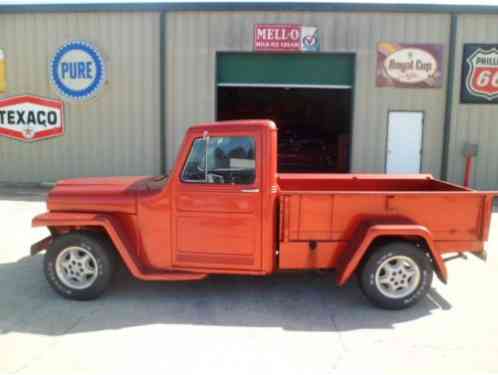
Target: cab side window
(221,160)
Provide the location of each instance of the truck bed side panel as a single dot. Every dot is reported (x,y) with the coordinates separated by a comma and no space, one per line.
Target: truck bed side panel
(331,219)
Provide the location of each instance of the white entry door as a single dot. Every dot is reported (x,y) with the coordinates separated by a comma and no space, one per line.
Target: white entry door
(404,142)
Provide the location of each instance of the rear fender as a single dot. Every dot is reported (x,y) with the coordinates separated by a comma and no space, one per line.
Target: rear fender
(365,236)
(110,225)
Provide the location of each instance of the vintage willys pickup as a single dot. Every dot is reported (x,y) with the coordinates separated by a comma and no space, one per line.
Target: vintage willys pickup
(224,209)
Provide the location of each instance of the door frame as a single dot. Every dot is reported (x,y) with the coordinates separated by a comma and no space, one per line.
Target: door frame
(179,186)
(386,146)
(352,54)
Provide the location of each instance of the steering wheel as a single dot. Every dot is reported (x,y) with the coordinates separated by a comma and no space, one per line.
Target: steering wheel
(213,178)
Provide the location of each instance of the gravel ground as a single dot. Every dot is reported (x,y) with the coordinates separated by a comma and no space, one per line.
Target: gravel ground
(289,324)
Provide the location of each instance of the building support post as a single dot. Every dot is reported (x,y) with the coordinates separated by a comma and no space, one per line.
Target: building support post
(449,96)
(162,93)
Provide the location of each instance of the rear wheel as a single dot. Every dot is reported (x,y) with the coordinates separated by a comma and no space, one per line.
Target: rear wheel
(396,275)
(79,265)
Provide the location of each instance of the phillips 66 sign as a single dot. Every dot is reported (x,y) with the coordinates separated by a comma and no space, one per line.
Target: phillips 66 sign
(479,74)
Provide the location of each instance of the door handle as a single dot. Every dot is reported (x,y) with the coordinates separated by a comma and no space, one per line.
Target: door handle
(250,190)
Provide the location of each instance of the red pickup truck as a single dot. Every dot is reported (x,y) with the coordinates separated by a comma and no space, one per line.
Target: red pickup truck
(225,210)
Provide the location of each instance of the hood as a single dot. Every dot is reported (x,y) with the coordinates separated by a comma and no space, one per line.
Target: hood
(97,194)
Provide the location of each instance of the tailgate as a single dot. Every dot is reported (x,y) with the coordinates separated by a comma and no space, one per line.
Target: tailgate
(487,211)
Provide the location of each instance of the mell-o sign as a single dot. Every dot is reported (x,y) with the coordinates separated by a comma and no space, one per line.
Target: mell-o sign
(31,118)
(286,37)
(409,65)
(479,74)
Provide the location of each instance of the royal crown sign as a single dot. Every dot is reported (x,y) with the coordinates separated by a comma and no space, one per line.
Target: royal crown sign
(479,74)
(409,65)
(31,118)
(286,38)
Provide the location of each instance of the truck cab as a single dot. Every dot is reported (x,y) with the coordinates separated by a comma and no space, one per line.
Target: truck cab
(225,186)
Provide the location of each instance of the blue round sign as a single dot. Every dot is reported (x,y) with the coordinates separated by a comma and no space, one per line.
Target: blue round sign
(77,70)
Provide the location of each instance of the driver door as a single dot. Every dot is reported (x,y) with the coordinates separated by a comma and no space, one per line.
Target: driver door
(217,221)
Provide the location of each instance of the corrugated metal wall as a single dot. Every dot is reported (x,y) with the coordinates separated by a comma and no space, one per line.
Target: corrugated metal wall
(194,37)
(116,132)
(474,123)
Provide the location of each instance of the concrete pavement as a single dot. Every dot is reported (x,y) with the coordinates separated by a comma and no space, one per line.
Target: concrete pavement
(289,324)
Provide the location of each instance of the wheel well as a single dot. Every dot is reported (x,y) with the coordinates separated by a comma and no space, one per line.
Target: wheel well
(95,231)
(89,229)
(418,241)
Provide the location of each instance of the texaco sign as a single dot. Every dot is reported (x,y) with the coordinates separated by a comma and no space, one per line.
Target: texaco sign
(31,118)
(480,73)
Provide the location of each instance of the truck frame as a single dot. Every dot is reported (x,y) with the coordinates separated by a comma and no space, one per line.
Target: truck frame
(224,209)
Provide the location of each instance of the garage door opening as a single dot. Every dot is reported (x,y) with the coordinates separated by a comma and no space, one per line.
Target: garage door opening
(314,124)
(308,95)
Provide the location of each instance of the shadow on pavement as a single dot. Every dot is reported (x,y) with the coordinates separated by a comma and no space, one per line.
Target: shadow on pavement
(298,302)
(24,193)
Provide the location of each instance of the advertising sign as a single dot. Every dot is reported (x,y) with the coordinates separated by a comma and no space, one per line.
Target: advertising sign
(479,74)
(409,65)
(77,70)
(31,118)
(3,78)
(286,38)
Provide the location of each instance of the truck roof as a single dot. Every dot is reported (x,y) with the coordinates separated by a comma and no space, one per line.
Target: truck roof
(236,124)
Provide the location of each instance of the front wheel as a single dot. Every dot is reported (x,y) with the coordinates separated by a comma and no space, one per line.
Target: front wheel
(79,265)
(396,275)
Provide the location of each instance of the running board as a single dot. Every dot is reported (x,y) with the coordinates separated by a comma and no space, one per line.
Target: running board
(172,276)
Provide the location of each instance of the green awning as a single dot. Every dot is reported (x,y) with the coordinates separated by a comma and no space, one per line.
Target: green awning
(321,69)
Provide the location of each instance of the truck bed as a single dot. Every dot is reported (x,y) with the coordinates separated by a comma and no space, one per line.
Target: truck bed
(363,182)
(329,210)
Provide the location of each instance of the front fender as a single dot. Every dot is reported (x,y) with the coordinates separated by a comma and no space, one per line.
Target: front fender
(366,234)
(75,220)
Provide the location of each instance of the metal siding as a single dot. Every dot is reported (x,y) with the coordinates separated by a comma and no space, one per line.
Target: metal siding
(474,123)
(114,133)
(195,37)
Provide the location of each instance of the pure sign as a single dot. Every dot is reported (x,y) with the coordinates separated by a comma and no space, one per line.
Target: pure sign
(409,65)
(286,37)
(77,70)
(479,74)
(31,118)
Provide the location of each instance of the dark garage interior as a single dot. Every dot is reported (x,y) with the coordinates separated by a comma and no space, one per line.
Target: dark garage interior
(314,124)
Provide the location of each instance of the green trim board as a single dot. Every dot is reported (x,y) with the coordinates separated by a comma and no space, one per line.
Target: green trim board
(327,69)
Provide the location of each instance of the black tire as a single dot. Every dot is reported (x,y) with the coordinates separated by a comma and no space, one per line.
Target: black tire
(378,257)
(95,244)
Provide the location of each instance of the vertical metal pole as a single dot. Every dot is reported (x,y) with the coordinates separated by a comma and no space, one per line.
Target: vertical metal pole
(162,93)
(449,96)
(468,170)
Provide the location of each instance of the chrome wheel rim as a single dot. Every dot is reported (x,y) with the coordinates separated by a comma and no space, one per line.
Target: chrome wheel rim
(76,267)
(397,277)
